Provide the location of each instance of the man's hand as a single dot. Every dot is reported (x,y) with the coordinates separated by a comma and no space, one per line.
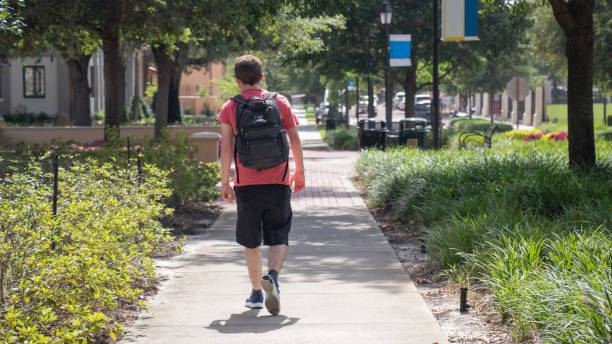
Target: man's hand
(227,193)
(297,181)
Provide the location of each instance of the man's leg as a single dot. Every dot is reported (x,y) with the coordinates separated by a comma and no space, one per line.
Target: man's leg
(254,264)
(276,257)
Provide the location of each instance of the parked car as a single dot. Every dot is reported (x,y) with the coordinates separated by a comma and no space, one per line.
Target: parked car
(321,112)
(363,103)
(424,97)
(423,110)
(399,100)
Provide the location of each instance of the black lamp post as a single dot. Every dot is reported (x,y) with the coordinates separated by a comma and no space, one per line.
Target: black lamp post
(385,20)
(435,116)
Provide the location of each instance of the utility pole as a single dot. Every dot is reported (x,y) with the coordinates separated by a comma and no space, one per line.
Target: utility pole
(435,116)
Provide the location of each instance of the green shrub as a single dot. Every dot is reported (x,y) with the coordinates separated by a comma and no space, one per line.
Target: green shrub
(507,213)
(341,138)
(207,110)
(26,118)
(520,134)
(198,120)
(606,135)
(144,111)
(189,180)
(463,124)
(61,277)
(99,116)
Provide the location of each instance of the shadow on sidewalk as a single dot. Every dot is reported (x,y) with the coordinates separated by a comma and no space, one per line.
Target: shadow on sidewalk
(249,322)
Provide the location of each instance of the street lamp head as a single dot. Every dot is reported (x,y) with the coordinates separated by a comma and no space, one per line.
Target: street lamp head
(385,13)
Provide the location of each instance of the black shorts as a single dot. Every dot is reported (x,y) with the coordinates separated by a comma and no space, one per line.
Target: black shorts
(264,211)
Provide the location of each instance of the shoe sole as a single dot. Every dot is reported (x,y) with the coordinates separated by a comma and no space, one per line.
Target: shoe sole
(256,305)
(272,299)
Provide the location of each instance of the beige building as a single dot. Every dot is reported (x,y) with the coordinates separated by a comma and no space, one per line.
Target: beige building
(196,79)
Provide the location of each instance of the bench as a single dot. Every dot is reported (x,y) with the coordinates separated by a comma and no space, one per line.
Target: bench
(487,134)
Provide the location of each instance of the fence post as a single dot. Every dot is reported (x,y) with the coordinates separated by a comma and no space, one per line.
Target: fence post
(55,181)
(128,150)
(138,162)
(55,163)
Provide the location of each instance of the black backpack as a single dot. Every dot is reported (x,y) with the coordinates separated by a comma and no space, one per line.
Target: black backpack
(260,140)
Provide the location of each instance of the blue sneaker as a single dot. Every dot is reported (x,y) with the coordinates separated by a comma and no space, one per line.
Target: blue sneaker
(270,286)
(255,300)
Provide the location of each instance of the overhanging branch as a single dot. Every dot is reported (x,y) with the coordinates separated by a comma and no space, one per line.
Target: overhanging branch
(564,18)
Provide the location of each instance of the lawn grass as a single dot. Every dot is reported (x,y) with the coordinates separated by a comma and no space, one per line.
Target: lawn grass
(558,112)
(310,115)
(537,233)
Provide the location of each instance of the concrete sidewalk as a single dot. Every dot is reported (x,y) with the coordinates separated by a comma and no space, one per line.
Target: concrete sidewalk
(341,283)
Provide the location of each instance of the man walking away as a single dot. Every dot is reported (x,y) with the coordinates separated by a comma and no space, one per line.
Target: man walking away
(254,129)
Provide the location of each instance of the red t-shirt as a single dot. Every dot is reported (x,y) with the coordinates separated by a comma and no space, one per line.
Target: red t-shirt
(249,176)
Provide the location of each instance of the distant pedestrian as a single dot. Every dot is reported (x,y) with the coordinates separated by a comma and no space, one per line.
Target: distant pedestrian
(254,130)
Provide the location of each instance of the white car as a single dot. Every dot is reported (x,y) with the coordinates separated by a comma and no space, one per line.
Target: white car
(399,100)
(363,103)
(424,97)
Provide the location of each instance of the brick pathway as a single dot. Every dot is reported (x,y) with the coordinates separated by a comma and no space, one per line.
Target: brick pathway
(327,174)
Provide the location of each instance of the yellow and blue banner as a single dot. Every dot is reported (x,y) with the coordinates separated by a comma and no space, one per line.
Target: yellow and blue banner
(399,51)
(459,20)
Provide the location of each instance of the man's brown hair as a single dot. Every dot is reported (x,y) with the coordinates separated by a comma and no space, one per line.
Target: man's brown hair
(247,69)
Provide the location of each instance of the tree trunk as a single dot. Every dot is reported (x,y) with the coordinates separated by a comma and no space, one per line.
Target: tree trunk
(80,109)
(135,106)
(174,106)
(410,89)
(162,60)
(114,83)
(605,106)
(469,109)
(357,98)
(347,104)
(580,100)
(371,110)
(177,66)
(576,20)
(490,95)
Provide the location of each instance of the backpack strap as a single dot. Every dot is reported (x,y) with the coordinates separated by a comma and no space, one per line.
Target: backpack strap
(242,105)
(236,163)
(240,100)
(270,95)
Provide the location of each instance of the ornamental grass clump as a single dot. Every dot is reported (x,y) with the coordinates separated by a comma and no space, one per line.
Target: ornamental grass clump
(536,232)
(63,277)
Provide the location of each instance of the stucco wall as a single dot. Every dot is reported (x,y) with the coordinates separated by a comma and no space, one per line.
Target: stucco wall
(49,103)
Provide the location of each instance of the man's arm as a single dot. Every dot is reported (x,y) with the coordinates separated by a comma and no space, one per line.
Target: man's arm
(297,179)
(227,154)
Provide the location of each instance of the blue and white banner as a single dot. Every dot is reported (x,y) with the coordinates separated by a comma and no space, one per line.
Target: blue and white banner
(459,20)
(399,51)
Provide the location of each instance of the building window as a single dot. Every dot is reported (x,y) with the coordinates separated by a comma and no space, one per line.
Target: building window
(34,82)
